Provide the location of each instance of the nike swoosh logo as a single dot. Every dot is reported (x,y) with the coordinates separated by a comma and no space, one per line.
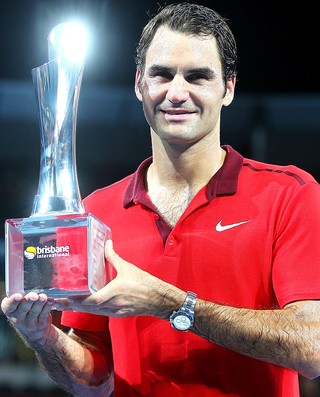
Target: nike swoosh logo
(222,228)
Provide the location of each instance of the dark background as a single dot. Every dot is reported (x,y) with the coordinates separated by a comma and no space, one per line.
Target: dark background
(274,117)
(278,41)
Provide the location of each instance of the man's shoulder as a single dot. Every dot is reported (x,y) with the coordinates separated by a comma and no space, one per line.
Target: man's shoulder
(111,190)
(270,171)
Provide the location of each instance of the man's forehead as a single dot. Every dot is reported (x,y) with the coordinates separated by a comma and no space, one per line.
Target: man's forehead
(170,44)
(164,32)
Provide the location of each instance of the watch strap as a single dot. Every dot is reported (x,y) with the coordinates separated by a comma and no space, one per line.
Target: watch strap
(190,302)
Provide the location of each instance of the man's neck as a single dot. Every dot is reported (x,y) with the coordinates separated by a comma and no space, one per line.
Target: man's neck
(184,170)
(172,183)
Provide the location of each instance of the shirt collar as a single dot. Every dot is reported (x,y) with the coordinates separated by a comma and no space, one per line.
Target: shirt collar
(224,182)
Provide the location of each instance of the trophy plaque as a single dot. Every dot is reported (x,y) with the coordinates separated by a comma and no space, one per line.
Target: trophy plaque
(59,249)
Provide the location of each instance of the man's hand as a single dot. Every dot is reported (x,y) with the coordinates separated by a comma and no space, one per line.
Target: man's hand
(133,292)
(30,315)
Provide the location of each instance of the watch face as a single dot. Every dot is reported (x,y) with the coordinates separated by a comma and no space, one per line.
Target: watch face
(182,322)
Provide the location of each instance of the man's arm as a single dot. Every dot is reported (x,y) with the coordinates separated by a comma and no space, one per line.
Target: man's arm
(77,362)
(288,337)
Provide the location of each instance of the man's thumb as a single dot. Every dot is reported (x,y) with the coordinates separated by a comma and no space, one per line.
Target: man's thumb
(111,256)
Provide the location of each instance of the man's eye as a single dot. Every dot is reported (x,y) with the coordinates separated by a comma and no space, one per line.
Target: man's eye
(196,77)
(162,75)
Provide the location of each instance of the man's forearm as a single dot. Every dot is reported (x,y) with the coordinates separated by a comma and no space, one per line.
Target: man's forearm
(73,366)
(285,337)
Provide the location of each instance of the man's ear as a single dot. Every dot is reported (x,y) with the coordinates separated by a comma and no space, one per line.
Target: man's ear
(230,88)
(137,85)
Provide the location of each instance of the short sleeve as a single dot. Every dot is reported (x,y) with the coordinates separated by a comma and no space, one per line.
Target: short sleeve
(296,258)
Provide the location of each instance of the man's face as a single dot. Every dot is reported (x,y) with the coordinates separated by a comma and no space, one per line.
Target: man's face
(182,89)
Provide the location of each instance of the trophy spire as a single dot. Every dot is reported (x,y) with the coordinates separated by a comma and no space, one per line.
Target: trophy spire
(57,87)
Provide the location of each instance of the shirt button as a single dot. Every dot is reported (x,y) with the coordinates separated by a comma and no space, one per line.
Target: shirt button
(156,216)
(171,240)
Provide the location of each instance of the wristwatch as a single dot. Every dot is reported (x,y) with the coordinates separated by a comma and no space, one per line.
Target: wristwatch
(183,318)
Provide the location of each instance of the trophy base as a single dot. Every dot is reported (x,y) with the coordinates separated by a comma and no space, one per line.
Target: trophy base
(59,255)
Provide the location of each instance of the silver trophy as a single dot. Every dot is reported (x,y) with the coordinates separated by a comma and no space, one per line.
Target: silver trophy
(59,249)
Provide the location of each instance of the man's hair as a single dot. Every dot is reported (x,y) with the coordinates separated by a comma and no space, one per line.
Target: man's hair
(195,20)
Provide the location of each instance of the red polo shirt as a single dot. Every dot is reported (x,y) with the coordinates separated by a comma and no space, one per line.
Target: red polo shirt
(250,239)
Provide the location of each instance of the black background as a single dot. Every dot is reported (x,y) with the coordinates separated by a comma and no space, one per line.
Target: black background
(278,41)
(278,46)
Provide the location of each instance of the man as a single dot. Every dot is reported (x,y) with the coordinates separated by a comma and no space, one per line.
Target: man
(232,242)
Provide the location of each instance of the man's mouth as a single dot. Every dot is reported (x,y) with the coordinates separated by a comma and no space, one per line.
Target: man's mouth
(177,111)
(177,114)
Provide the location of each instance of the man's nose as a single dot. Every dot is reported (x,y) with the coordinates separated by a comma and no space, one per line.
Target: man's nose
(178,90)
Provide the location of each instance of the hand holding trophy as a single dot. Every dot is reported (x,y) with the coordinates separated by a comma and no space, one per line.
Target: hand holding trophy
(59,249)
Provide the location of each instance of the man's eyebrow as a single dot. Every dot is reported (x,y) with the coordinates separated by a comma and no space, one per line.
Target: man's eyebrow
(160,68)
(206,71)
